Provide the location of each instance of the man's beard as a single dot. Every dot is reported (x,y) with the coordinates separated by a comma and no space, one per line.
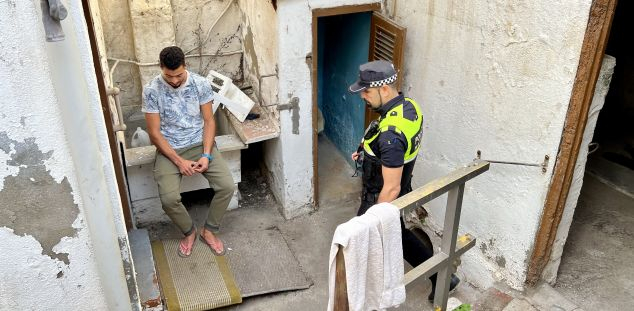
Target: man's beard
(367,103)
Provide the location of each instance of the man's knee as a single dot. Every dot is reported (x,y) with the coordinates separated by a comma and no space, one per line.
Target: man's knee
(170,200)
(225,187)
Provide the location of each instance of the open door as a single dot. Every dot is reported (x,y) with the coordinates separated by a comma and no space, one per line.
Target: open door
(108,94)
(387,40)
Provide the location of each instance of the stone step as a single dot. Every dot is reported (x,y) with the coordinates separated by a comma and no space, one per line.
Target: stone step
(147,279)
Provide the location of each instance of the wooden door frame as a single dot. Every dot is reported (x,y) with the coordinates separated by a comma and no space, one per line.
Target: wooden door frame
(317,13)
(112,140)
(592,52)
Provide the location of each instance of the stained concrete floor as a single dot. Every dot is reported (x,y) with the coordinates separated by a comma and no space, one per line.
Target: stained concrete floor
(596,270)
(586,279)
(336,183)
(308,236)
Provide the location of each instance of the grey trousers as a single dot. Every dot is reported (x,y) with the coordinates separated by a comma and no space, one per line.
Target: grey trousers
(168,178)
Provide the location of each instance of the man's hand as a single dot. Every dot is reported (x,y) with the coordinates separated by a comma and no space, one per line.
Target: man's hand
(202,165)
(355,156)
(186,167)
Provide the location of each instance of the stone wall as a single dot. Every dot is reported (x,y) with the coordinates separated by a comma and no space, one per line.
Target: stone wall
(209,32)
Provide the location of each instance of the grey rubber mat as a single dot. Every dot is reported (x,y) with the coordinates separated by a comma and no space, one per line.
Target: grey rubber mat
(263,263)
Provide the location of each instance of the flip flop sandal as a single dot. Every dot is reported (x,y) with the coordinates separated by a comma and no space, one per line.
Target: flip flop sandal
(224,249)
(191,250)
(183,255)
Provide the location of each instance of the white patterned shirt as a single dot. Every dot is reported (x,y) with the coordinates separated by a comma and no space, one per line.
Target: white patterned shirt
(178,108)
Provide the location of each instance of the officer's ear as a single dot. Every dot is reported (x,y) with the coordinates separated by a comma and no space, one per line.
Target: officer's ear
(385,90)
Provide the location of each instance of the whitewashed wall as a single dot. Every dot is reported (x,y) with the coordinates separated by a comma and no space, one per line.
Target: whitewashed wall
(292,153)
(54,155)
(494,76)
(600,92)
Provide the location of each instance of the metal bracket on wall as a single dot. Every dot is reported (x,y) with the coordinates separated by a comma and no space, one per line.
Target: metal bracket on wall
(543,165)
(293,106)
(114,92)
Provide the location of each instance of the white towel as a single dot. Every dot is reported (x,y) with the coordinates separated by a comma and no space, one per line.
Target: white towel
(393,271)
(371,284)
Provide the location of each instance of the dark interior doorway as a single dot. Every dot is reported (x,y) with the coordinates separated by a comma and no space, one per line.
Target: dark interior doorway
(595,270)
(615,133)
(342,45)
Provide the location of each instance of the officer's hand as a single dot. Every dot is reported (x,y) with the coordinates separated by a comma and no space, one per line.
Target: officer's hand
(355,156)
(187,167)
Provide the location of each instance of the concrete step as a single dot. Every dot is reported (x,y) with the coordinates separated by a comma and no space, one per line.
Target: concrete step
(544,297)
(519,304)
(147,279)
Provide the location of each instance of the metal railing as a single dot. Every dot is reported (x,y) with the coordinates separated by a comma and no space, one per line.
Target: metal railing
(452,246)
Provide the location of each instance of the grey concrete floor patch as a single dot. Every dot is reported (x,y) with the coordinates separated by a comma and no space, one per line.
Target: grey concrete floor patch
(263,263)
(544,297)
(596,270)
(336,183)
(519,304)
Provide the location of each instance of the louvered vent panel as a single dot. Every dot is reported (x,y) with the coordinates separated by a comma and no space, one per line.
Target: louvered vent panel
(386,43)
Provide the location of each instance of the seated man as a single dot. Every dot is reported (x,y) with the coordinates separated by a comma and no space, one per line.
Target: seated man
(180,122)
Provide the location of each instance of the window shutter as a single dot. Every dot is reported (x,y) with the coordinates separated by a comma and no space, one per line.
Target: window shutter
(387,41)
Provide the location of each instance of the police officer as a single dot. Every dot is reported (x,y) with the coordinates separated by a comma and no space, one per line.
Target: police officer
(388,150)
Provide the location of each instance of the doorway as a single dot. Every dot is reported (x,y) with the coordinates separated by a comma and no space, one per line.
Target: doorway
(343,45)
(595,270)
(342,41)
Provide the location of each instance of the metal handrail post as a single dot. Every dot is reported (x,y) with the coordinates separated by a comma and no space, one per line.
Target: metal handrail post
(448,247)
(452,246)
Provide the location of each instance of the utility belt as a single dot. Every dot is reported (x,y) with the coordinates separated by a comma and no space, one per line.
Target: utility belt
(372,177)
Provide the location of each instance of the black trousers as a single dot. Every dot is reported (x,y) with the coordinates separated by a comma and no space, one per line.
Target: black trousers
(415,252)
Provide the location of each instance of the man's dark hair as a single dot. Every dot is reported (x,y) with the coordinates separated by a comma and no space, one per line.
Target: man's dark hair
(172,57)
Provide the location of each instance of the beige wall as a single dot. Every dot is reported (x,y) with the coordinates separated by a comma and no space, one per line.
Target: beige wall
(136,31)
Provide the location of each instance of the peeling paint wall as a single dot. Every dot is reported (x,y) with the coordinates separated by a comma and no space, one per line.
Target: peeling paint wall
(494,76)
(52,214)
(260,44)
(293,150)
(259,38)
(136,31)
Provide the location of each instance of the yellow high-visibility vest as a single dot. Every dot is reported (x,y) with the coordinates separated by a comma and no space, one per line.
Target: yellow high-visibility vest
(412,129)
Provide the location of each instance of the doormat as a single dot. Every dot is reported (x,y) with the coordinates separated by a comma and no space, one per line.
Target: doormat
(263,263)
(201,282)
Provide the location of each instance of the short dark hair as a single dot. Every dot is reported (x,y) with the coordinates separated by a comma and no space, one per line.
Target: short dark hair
(172,57)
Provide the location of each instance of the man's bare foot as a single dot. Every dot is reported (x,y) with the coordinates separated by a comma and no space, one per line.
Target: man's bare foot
(186,245)
(215,244)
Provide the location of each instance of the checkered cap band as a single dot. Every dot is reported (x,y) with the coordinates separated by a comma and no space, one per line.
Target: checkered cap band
(386,81)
